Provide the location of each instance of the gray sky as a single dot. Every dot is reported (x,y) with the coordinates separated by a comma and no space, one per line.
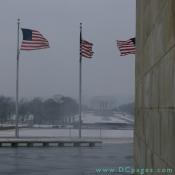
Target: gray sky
(55,70)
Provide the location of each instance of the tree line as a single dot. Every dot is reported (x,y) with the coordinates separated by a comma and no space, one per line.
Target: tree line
(43,111)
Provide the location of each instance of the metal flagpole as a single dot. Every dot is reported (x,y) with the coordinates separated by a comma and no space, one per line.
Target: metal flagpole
(80,82)
(17,81)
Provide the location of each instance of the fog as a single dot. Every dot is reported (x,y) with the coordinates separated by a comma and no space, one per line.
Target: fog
(56,70)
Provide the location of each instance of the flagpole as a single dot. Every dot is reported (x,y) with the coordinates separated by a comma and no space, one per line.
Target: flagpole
(80,82)
(17,81)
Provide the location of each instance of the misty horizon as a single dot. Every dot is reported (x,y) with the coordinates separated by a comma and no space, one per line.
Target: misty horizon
(55,70)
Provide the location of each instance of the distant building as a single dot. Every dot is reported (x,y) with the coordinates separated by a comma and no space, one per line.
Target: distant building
(103,104)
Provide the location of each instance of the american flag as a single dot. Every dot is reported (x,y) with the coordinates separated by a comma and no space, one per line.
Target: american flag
(127,47)
(33,40)
(86,49)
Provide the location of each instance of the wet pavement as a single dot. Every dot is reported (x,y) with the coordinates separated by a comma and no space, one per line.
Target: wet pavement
(64,161)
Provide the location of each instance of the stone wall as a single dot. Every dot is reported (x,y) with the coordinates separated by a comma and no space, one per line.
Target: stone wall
(155,84)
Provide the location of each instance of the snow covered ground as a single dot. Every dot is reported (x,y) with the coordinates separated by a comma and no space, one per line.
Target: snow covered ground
(115,118)
(91,118)
(48,131)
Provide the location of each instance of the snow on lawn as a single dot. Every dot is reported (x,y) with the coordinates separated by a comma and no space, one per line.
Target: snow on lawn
(91,118)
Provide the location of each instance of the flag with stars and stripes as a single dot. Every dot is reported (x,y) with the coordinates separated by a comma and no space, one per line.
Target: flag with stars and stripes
(127,47)
(33,40)
(86,49)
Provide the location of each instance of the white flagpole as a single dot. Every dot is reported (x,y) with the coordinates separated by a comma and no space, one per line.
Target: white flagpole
(80,82)
(17,81)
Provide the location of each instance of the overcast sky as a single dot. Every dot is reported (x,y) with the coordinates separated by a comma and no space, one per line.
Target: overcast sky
(55,70)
